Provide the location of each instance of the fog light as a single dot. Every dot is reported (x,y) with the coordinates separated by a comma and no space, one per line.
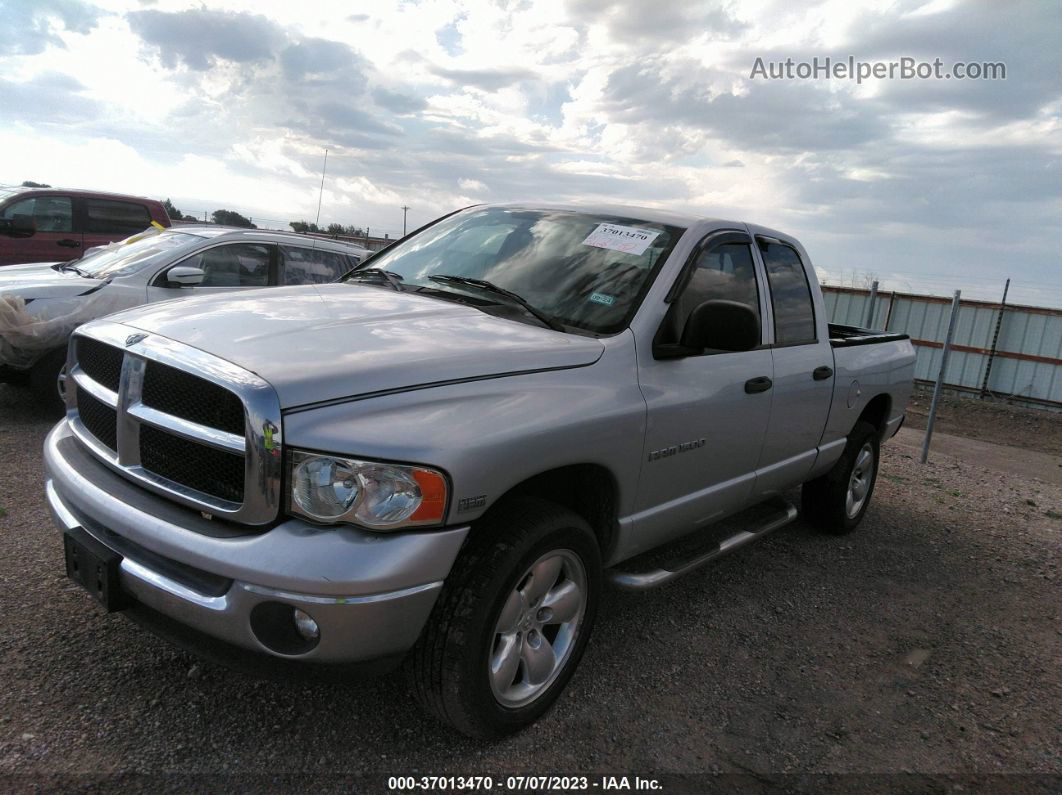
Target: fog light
(306,626)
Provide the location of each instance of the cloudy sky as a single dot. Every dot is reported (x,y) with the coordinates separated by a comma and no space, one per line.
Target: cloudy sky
(928,185)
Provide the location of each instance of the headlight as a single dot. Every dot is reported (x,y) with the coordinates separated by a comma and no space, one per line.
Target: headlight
(379,496)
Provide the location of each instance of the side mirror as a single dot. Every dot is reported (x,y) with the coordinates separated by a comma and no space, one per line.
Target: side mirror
(18,226)
(184,276)
(722,326)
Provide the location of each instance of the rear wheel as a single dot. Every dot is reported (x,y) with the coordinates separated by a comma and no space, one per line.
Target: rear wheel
(837,501)
(512,621)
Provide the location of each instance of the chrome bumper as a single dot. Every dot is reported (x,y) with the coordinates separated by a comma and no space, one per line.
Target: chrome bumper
(369,593)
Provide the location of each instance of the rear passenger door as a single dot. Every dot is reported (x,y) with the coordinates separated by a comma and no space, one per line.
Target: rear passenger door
(303,265)
(226,267)
(803,370)
(104,220)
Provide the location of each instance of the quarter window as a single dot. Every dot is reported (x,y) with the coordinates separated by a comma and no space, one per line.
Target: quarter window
(103,216)
(50,213)
(794,313)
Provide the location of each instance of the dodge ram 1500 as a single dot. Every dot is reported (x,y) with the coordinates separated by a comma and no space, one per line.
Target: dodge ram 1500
(443,457)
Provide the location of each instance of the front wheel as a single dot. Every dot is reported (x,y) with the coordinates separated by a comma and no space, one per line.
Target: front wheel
(512,620)
(48,382)
(837,501)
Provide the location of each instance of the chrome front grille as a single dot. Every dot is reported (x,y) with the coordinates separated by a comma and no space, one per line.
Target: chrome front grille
(177,420)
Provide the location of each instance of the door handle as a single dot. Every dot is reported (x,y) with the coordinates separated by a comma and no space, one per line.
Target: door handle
(761,384)
(822,373)
(68,243)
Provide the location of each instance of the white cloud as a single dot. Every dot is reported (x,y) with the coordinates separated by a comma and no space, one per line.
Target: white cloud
(440,104)
(472,186)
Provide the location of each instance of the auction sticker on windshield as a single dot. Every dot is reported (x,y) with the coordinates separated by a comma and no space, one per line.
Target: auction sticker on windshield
(628,239)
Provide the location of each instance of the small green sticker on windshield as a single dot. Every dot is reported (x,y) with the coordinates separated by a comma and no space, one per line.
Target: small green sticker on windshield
(601,298)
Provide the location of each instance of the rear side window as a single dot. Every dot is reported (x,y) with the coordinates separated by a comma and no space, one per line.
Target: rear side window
(794,313)
(50,213)
(235,265)
(312,266)
(104,216)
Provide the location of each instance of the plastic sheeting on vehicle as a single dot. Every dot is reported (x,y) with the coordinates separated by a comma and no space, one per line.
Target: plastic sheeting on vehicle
(26,336)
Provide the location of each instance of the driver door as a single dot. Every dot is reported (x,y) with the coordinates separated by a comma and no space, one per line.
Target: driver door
(707,413)
(226,267)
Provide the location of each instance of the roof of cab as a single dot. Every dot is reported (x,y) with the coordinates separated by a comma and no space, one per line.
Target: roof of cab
(276,235)
(634,212)
(11,190)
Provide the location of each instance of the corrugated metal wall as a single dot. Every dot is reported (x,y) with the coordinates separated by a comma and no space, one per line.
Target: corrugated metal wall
(1027,365)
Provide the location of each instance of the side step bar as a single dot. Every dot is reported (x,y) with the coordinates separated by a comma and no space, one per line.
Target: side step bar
(785,513)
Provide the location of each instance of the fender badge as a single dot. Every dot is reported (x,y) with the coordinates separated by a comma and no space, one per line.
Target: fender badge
(133,339)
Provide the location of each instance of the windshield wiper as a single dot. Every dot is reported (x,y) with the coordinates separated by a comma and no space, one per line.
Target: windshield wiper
(489,287)
(392,279)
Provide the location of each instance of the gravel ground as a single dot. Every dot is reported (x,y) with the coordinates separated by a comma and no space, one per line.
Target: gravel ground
(999,423)
(927,642)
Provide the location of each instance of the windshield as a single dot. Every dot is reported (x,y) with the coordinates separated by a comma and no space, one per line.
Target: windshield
(582,270)
(133,253)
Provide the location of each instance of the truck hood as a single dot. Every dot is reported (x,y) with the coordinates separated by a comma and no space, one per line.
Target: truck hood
(333,341)
(38,280)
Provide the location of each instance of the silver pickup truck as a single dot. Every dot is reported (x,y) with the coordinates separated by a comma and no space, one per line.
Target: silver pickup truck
(443,457)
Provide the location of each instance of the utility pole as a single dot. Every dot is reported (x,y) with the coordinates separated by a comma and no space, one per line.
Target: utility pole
(405,209)
(320,193)
(940,377)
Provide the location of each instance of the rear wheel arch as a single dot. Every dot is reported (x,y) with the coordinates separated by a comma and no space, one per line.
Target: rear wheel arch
(876,412)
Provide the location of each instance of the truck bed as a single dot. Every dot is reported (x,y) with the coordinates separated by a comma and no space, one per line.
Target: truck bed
(846,336)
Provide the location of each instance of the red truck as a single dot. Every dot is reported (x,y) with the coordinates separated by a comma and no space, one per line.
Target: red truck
(70,221)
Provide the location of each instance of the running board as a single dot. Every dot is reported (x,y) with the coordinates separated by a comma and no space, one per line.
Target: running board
(782,514)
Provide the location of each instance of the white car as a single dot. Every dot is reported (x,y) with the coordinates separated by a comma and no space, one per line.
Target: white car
(42,303)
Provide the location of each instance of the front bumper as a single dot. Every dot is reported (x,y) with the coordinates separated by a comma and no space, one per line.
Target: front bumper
(369,593)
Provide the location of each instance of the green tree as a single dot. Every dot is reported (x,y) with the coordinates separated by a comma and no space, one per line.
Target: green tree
(31,184)
(303,226)
(232,218)
(171,211)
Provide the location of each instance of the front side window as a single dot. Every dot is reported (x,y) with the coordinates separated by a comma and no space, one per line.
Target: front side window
(585,271)
(312,266)
(103,216)
(722,272)
(794,313)
(234,265)
(49,213)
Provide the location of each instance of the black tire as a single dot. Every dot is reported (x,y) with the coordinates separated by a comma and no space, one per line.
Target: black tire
(448,668)
(824,501)
(44,379)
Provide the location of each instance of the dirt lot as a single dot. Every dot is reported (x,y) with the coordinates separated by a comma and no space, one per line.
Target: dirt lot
(998,423)
(927,642)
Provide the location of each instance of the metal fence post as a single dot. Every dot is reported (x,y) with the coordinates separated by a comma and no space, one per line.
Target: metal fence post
(940,377)
(870,304)
(995,340)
